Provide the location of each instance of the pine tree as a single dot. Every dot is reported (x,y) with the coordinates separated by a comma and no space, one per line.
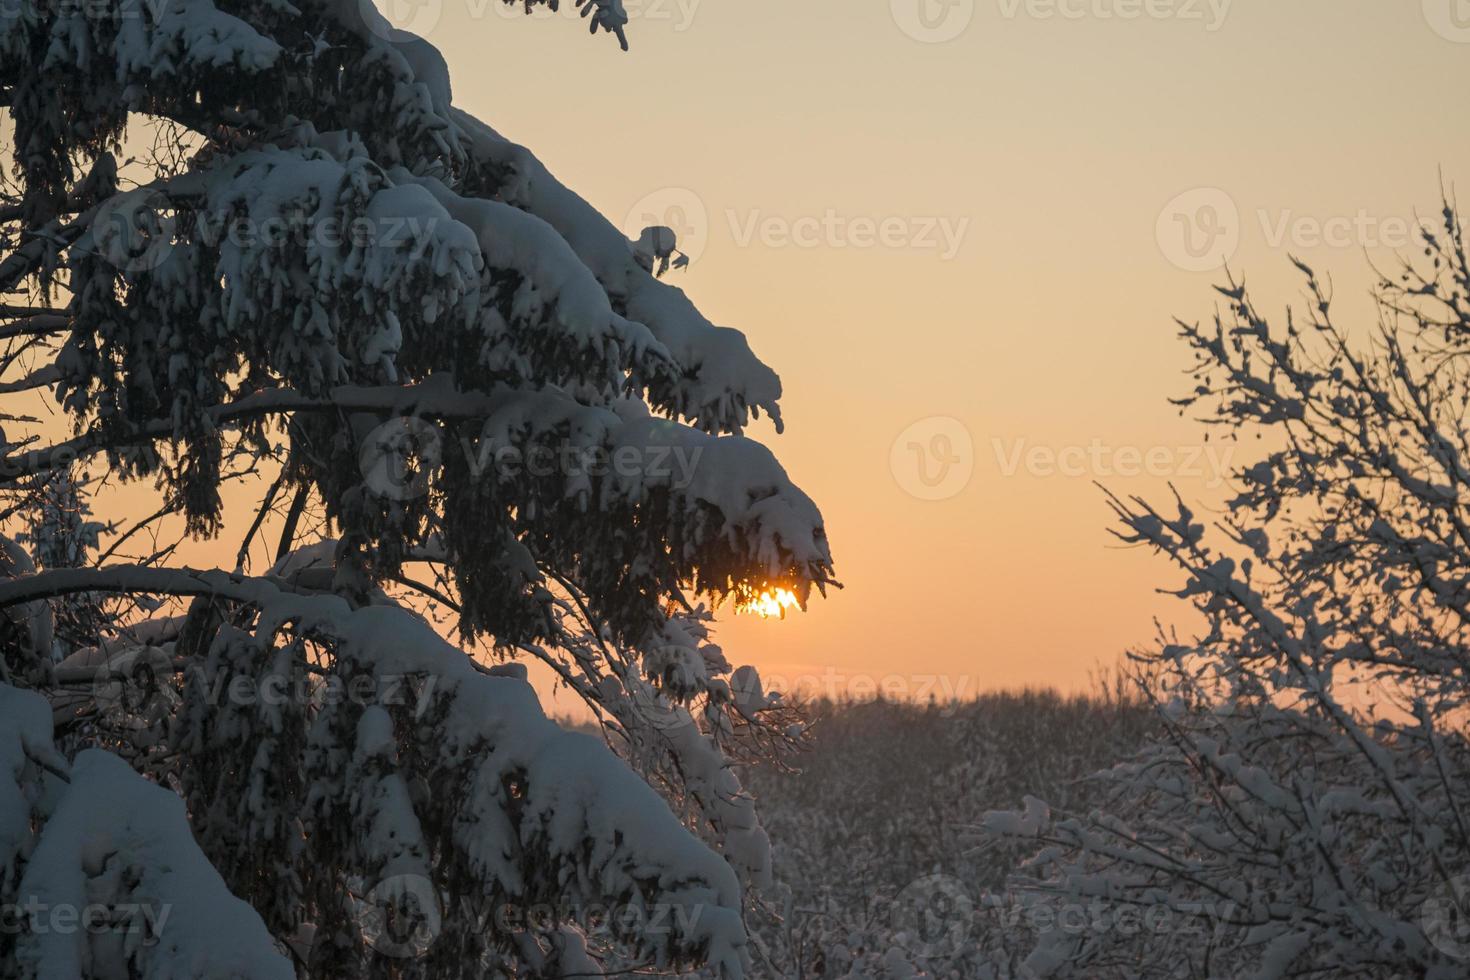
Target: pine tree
(476,407)
(60,534)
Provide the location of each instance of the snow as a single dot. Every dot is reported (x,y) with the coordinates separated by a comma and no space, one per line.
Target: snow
(25,735)
(111,840)
(36,617)
(513,239)
(1029,822)
(598,828)
(152,40)
(723,381)
(486,294)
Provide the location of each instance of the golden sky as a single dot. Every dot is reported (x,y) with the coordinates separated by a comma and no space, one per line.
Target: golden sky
(971,210)
(959,229)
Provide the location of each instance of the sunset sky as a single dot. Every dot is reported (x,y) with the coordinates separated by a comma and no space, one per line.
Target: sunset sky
(959,232)
(980,229)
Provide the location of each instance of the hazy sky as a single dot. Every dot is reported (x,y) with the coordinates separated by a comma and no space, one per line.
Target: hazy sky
(954,210)
(959,229)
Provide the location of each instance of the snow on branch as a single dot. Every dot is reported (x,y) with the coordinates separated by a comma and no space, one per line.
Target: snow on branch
(113,854)
(723,380)
(334,274)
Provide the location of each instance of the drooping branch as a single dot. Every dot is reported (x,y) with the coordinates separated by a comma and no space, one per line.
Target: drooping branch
(139,579)
(435,398)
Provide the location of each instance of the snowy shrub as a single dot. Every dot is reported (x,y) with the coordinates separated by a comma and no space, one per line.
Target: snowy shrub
(1304,813)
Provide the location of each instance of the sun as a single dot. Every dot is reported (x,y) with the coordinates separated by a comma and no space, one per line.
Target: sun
(770,602)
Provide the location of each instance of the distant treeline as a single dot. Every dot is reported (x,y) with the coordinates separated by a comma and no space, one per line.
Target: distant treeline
(891,792)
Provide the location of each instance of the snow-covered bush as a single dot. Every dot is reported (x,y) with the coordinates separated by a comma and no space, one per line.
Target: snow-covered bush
(1305,813)
(462,400)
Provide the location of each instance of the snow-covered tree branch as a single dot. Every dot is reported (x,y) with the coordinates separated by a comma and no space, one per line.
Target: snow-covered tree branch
(478,410)
(1306,813)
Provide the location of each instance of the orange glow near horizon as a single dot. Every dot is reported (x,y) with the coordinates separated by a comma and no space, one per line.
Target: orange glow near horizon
(964,276)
